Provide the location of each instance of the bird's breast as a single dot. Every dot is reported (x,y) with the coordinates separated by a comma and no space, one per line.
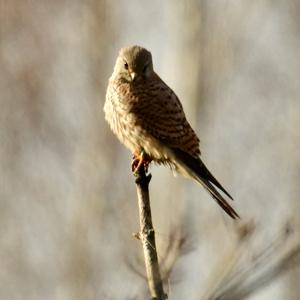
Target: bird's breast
(124,107)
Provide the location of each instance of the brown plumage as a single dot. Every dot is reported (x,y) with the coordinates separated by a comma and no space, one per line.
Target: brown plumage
(147,117)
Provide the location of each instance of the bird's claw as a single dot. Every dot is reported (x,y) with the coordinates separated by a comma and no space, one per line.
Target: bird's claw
(136,165)
(138,161)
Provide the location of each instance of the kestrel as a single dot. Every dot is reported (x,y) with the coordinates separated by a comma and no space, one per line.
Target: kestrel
(148,118)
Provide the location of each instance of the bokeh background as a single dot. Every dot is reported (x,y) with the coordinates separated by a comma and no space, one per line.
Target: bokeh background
(67,196)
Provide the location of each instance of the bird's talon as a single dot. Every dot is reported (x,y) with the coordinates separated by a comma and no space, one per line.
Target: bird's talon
(140,160)
(134,165)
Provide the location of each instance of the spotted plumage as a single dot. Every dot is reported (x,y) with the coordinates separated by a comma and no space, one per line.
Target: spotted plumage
(147,116)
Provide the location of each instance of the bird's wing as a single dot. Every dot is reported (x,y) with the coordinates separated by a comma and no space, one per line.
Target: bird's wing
(163,117)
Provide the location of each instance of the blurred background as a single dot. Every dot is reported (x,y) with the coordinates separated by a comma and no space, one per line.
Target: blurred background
(67,195)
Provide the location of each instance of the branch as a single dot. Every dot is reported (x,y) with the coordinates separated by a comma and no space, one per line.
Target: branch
(271,262)
(147,236)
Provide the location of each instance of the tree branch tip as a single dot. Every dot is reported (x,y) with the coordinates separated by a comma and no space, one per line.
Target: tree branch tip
(141,178)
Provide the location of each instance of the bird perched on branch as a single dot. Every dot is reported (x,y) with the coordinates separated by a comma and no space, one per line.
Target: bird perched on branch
(148,118)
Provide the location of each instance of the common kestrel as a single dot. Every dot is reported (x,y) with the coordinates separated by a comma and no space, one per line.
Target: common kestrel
(148,118)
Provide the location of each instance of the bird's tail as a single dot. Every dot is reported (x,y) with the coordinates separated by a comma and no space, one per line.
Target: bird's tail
(195,168)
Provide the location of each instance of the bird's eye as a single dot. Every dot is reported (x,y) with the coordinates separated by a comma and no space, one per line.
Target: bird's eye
(126,66)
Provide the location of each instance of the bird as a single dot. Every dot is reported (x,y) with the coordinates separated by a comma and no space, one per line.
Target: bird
(148,118)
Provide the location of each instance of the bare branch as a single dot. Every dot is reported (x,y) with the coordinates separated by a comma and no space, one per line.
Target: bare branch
(147,236)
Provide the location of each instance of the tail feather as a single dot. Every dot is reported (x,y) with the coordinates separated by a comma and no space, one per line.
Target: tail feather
(220,200)
(206,173)
(200,173)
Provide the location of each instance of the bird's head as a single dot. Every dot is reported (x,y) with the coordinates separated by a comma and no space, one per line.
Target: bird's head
(133,64)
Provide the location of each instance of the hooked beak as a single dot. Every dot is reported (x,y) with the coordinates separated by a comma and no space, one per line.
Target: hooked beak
(133,75)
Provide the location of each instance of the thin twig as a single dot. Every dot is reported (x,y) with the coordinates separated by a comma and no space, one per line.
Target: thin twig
(271,262)
(147,236)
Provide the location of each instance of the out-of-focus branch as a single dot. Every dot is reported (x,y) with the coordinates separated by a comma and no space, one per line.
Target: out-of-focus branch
(266,267)
(147,236)
(243,289)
